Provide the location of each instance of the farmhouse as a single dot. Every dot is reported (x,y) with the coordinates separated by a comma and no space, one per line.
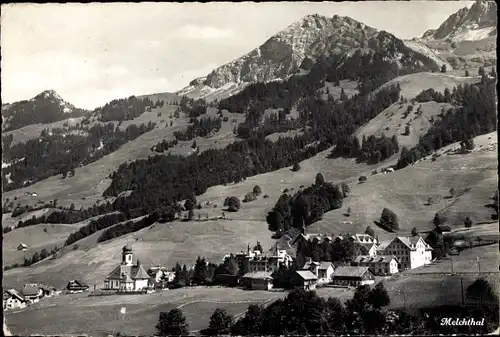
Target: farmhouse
(77,286)
(379,265)
(127,276)
(161,274)
(259,280)
(362,239)
(306,279)
(13,300)
(32,292)
(48,291)
(323,270)
(411,252)
(352,276)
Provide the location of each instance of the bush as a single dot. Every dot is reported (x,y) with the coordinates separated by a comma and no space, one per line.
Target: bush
(233,204)
(296,167)
(249,197)
(362,179)
(266,196)
(256,190)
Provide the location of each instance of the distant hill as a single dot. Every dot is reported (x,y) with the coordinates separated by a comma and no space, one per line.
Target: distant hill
(46,107)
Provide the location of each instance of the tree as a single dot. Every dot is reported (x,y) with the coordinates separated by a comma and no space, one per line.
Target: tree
(370,231)
(438,220)
(220,322)
(233,204)
(452,191)
(429,201)
(190,214)
(378,296)
(468,223)
(362,179)
(480,71)
(345,189)
(443,68)
(348,211)
(200,270)
(481,290)
(172,323)
(319,180)
(389,219)
(296,167)
(414,231)
(257,190)
(258,247)
(467,73)
(194,146)
(250,196)
(190,202)
(231,265)
(36,258)
(407,130)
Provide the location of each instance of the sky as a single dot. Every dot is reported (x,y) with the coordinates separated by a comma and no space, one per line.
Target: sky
(93,53)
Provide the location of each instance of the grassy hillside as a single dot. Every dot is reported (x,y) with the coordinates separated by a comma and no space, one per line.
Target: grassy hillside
(392,122)
(413,84)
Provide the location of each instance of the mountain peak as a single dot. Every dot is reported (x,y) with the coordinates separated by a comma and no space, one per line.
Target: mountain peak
(50,93)
(475,23)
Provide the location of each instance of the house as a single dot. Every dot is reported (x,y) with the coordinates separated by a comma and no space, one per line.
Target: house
(323,270)
(22,246)
(255,261)
(411,252)
(258,280)
(442,229)
(127,276)
(352,276)
(32,293)
(77,286)
(13,300)
(379,265)
(159,274)
(306,279)
(369,249)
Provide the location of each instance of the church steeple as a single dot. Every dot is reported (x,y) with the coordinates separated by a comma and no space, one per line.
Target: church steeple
(127,256)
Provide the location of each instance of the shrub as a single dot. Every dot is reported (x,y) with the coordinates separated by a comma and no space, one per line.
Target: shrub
(296,167)
(233,204)
(249,197)
(362,179)
(257,190)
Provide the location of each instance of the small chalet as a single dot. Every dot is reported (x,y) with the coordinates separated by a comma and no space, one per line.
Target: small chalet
(13,300)
(306,279)
(22,246)
(352,276)
(379,265)
(442,229)
(32,293)
(258,280)
(77,286)
(323,270)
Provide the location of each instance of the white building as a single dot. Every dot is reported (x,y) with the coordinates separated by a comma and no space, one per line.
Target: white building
(379,265)
(323,270)
(127,276)
(411,252)
(13,300)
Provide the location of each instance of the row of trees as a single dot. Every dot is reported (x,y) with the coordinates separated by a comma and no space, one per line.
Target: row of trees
(372,149)
(125,109)
(305,313)
(306,206)
(474,115)
(201,127)
(59,153)
(94,226)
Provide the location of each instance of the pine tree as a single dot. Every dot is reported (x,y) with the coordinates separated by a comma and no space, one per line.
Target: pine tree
(172,323)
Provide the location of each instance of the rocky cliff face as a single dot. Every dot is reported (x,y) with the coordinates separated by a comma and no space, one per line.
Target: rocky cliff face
(283,53)
(478,22)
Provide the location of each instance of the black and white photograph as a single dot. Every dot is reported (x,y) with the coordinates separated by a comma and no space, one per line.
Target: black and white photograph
(250,169)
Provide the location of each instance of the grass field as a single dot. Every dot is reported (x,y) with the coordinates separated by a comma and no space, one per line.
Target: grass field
(78,314)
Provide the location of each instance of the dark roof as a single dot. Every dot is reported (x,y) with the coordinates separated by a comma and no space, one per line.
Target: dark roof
(77,283)
(30,289)
(443,228)
(350,271)
(134,272)
(127,248)
(375,259)
(14,293)
(323,265)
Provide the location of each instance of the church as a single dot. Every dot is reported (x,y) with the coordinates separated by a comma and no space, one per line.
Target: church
(127,276)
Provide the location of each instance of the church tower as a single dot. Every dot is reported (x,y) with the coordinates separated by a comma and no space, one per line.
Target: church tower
(127,256)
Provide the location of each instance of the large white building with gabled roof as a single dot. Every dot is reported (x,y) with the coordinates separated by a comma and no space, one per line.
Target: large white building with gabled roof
(411,252)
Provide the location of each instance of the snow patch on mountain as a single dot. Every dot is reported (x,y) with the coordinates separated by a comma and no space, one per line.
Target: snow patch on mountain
(425,50)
